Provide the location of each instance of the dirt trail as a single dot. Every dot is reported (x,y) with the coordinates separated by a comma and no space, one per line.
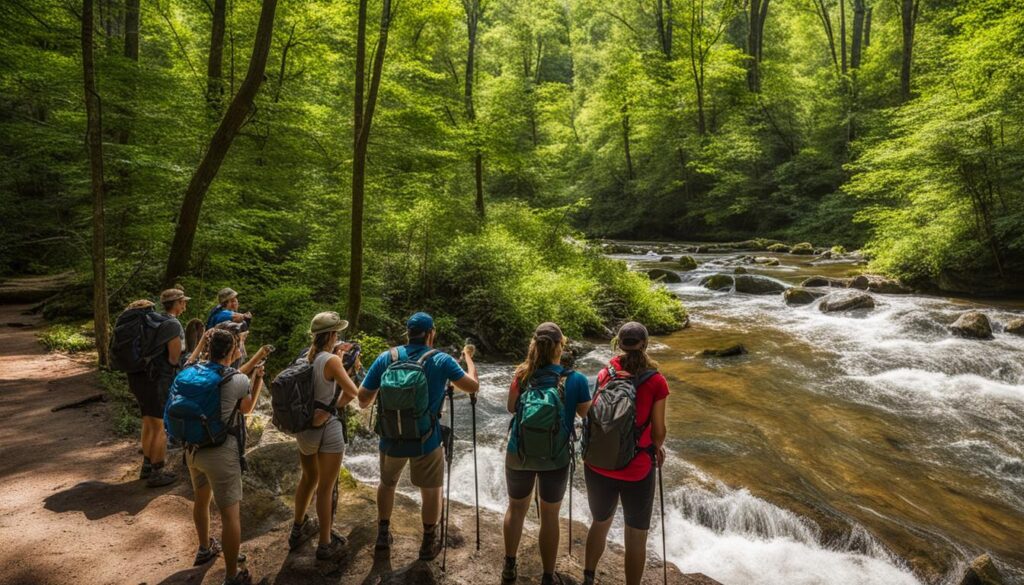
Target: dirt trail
(72,510)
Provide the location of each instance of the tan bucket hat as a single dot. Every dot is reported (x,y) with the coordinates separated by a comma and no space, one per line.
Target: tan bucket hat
(327,321)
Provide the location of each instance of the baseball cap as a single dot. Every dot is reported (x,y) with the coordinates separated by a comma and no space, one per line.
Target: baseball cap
(225,295)
(550,331)
(327,321)
(173,294)
(419,324)
(632,335)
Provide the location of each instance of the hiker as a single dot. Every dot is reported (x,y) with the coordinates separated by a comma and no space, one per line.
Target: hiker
(194,331)
(321,448)
(629,400)
(241,334)
(216,467)
(150,384)
(544,399)
(226,310)
(412,435)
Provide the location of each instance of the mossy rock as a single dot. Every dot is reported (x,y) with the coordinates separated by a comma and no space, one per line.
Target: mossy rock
(847,300)
(801,296)
(803,248)
(666,276)
(778,248)
(718,282)
(686,263)
(972,325)
(838,250)
(740,270)
(757,285)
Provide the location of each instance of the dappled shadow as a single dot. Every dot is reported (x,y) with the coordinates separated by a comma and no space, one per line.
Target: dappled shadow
(97,499)
(189,575)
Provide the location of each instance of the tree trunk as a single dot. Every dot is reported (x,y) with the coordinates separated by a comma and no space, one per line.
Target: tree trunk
(908,18)
(842,33)
(214,74)
(867,28)
(241,105)
(625,141)
(473,12)
(363,118)
(858,33)
(94,142)
(131,52)
(663,20)
(755,41)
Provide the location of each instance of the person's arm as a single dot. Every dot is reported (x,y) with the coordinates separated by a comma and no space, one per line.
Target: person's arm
(259,356)
(239,317)
(513,396)
(468,383)
(174,351)
(200,347)
(583,393)
(658,430)
(248,404)
(335,372)
(371,382)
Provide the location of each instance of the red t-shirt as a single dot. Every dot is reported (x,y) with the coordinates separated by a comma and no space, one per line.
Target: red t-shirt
(652,390)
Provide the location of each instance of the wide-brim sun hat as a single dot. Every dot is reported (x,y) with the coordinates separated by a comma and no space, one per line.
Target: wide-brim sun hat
(225,295)
(326,322)
(173,294)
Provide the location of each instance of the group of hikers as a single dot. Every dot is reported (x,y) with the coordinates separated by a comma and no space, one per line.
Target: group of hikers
(195,385)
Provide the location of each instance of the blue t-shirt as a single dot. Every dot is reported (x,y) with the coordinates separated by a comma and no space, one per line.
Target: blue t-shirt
(441,368)
(217,316)
(577,391)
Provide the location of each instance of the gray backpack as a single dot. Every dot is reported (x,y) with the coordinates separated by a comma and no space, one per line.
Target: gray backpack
(610,435)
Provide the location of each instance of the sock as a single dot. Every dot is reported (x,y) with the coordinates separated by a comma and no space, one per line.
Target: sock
(429,528)
(548,578)
(384,524)
(510,560)
(588,576)
(146,461)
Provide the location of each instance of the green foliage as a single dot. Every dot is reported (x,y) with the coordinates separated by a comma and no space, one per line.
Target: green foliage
(67,338)
(124,410)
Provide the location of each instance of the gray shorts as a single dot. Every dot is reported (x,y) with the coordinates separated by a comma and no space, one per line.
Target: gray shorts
(330,438)
(218,467)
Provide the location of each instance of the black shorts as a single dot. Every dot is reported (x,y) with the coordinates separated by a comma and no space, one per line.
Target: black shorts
(146,394)
(603,494)
(551,484)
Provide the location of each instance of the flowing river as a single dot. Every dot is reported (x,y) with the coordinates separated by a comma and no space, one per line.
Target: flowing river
(843,449)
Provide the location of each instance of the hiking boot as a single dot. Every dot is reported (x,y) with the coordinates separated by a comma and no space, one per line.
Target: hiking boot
(160,478)
(431,546)
(551,579)
(205,555)
(147,469)
(301,533)
(588,578)
(332,550)
(509,572)
(384,538)
(242,577)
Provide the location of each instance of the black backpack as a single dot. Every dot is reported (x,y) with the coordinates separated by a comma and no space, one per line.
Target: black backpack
(292,398)
(610,435)
(134,343)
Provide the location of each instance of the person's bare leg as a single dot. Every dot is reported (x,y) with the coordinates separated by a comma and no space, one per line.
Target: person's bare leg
(231,537)
(432,500)
(549,534)
(306,486)
(201,514)
(158,452)
(597,537)
(512,529)
(147,437)
(636,555)
(385,501)
(329,465)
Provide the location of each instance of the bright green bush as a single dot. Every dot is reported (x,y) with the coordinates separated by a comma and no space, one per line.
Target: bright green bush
(66,338)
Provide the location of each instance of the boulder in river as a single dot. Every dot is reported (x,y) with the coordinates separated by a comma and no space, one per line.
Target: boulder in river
(667,259)
(804,248)
(1015,326)
(730,351)
(717,282)
(757,285)
(799,295)
(847,300)
(816,281)
(982,572)
(740,270)
(661,275)
(779,247)
(879,284)
(766,261)
(972,325)
(686,263)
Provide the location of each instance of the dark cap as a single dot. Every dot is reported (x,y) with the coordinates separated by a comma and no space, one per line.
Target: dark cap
(550,331)
(419,324)
(632,336)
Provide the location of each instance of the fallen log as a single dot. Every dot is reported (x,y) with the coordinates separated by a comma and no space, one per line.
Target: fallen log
(80,403)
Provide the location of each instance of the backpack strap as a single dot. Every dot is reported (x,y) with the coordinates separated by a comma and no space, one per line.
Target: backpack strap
(644,376)
(395,353)
(563,378)
(423,358)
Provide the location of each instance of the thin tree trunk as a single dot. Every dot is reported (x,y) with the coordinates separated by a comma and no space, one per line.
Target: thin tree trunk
(908,19)
(826,23)
(756,17)
(241,105)
(858,33)
(473,13)
(363,118)
(663,21)
(214,66)
(94,142)
(131,52)
(867,28)
(625,141)
(842,33)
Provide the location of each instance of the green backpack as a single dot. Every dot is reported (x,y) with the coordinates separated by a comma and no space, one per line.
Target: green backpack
(403,402)
(541,439)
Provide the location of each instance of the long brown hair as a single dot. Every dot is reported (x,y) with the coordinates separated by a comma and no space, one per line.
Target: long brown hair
(194,331)
(635,361)
(320,341)
(541,353)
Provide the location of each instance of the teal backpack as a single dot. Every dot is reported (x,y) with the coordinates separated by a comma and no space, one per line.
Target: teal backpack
(403,401)
(541,439)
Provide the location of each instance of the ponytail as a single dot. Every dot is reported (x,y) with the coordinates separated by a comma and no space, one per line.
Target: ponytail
(320,341)
(634,361)
(541,354)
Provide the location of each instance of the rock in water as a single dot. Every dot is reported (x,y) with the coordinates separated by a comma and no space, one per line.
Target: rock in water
(804,248)
(732,350)
(846,301)
(801,296)
(1015,326)
(667,259)
(766,261)
(758,285)
(717,282)
(825,281)
(661,275)
(687,263)
(982,572)
(972,325)
(740,270)
(778,248)
(879,284)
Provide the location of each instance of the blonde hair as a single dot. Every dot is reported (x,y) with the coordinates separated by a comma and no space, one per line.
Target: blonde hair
(320,341)
(541,353)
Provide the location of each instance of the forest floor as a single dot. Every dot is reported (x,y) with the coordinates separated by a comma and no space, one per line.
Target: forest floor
(73,510)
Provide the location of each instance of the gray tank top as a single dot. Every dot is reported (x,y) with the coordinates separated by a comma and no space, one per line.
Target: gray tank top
(323,391)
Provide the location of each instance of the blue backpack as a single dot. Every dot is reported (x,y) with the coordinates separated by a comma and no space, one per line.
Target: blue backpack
(192,413)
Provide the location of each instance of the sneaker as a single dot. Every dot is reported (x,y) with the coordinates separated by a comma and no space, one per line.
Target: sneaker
(431,546)
(509,573)
(332,550)
(160,478)
(300,534)
(205,555)
(241,578)
(384,539)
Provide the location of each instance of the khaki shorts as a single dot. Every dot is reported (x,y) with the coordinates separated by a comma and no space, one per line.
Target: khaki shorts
(330,438)
(218,467)
(426,471)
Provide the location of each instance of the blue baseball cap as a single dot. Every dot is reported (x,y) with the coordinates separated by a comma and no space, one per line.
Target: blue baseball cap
(419,324)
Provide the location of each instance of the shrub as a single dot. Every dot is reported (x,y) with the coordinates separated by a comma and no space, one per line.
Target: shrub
(123,409)
(66,338)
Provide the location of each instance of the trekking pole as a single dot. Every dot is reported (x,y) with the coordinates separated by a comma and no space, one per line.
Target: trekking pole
(664,556)
(572,475)
(476,481)
(449,447)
